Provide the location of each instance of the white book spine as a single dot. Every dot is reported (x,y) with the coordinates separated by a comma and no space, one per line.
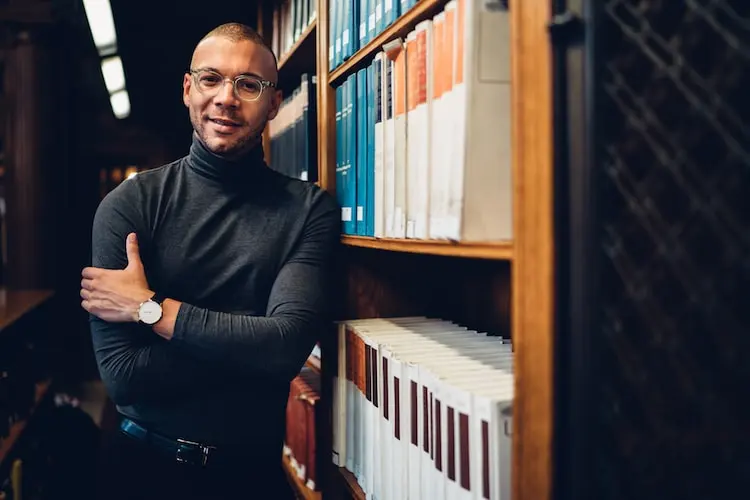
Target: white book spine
(390,149)
(379,174)
(415,418)
(422,118)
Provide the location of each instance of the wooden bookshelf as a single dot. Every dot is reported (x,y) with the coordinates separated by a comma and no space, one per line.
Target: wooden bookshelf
(350,483)
(300,490)
(304,45)
(15,304)
(499,250)
(505,286)
(421,11)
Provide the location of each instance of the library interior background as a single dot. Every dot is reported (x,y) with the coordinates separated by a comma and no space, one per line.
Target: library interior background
(544,249)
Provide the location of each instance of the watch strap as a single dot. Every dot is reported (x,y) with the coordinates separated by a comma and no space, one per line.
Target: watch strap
(158,298)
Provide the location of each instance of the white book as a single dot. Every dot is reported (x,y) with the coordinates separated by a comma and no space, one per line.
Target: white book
(379,174)
(480,196)
(397,50)
(389,158)
(419,98)
(439,140)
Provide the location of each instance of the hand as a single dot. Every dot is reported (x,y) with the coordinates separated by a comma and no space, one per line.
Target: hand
(112,294)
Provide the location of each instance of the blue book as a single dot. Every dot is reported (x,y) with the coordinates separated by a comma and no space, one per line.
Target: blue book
(370,154)
(362,19)
(341,181)
(350,149)
(361,167)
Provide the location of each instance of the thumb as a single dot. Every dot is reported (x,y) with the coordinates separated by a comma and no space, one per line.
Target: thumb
(131,248)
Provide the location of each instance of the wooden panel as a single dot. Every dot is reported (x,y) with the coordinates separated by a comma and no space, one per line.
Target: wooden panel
(533,279)
(326,106)
(494,250)
(29,193)
(472,292)
(15,304)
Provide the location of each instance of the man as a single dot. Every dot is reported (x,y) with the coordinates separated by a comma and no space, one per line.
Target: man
(203,317)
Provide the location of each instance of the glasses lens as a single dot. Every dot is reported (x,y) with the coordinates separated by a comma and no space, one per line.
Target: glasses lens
(248,88)
(208,80)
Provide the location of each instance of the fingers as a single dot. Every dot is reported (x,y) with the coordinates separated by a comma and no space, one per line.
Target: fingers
(90,272)
(132,250)
(87,284)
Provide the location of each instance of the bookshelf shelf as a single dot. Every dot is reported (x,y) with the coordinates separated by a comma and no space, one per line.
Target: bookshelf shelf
(350,483)
(304,45)
(300,490)
(499,250)
(422,10)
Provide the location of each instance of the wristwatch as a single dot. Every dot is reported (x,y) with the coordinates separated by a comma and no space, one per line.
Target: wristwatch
(149,312)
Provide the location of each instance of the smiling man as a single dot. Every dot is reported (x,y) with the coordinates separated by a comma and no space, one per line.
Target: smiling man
(210,282)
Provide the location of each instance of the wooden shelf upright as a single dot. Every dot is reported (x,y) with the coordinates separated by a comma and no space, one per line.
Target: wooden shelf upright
(504,286)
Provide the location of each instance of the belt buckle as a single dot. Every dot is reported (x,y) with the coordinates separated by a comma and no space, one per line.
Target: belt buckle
(183,455)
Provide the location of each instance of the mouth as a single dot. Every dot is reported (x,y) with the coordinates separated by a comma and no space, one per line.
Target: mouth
(224,122)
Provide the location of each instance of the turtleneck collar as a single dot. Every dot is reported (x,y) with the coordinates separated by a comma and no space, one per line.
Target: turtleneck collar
(225,170)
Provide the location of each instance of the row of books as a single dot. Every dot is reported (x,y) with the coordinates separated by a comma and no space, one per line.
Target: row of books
(354,23)
(293,133)
(303,424)
(422,408)
(423,134)
(290,19)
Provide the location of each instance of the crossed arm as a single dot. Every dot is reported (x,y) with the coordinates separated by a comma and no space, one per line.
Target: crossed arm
(188,345)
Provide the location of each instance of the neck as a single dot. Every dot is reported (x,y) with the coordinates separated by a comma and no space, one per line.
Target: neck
(233,169)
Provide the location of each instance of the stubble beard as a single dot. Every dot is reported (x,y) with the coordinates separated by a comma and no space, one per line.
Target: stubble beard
(239,147)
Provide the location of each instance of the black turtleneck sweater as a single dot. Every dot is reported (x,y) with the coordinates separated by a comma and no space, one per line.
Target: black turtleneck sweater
(249,253)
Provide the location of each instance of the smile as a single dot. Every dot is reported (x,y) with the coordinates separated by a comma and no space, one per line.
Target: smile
(225,123)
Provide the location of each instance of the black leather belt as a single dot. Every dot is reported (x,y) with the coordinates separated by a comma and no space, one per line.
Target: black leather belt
(183,451)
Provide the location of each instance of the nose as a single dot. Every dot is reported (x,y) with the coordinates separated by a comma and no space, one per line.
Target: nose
(225,96)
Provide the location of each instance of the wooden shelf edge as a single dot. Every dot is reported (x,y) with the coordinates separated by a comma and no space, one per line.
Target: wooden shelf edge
(411,17)
(497,250)
(351,483)
(308,32)
(300,490)
(18,427)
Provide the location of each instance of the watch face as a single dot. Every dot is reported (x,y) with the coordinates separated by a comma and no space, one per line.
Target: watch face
(150,312)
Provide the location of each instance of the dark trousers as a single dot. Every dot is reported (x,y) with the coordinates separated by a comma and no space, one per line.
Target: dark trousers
(133,470)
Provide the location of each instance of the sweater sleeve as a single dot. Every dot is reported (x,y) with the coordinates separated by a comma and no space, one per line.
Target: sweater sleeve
(135,365)
(299,308)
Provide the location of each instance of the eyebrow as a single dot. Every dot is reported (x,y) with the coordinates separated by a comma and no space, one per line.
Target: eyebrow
(247,73)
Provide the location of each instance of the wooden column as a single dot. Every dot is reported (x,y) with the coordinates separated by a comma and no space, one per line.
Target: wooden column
(30,175)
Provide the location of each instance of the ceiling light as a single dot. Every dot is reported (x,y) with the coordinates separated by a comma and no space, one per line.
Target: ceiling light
(102,25)
(120,103)
(114,76)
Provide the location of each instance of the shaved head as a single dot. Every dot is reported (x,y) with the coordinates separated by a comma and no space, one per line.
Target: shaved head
(225,123)
(237,32)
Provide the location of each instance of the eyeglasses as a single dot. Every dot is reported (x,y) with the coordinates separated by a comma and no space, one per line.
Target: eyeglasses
(246,87)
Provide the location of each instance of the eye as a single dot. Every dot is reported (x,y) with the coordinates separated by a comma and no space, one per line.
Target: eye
(208,79)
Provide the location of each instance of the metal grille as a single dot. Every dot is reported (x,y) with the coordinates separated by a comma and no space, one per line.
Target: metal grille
(674,211)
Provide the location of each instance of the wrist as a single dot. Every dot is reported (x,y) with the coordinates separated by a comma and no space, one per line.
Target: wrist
(166,324)
(140,298)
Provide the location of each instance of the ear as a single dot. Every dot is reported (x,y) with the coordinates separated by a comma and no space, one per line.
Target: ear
(275,104)
(187,82)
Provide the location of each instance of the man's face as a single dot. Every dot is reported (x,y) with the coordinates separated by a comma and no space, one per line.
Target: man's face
(227,125)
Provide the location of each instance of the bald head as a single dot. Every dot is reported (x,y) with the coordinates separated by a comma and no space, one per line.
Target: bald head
(236,33)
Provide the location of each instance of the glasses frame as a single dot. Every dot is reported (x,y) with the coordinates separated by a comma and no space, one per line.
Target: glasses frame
(263,83)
